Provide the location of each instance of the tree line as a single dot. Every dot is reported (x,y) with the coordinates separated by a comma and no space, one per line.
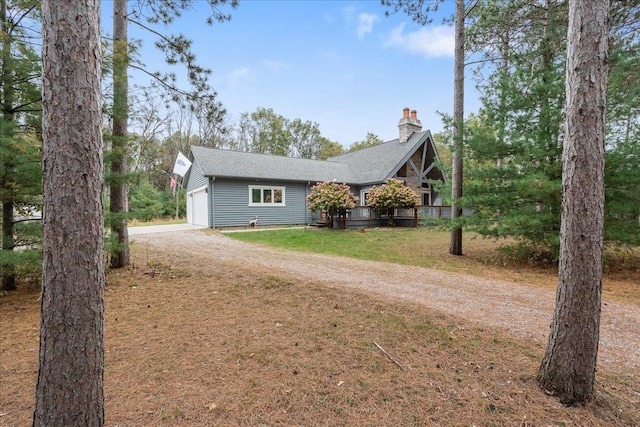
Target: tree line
(159,133)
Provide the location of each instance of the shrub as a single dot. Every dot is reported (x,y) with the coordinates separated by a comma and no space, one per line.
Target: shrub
(331,197)
(392,195)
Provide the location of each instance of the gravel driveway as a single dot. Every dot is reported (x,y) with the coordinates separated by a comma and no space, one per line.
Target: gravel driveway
(522,310)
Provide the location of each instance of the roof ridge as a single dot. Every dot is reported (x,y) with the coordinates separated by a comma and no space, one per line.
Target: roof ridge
(229,150)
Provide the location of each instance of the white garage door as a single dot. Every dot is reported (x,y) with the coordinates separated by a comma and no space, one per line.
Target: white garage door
(197,212)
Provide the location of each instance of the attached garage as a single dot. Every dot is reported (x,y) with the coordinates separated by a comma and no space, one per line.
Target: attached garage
(197,207)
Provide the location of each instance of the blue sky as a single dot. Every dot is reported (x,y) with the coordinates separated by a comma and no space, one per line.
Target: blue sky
(342,64)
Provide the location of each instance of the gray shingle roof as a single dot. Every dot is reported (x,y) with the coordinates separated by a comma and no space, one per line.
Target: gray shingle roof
(377,163)
(239,164)
(369,165)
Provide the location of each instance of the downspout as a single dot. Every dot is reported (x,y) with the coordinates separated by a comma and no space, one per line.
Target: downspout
(307,216)
(210,193)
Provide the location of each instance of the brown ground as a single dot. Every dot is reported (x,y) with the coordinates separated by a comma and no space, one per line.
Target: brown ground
(217,341)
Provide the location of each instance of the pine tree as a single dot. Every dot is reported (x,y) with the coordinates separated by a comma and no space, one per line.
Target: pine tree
(455,245)
(20,185)
(513,182)
(622,165)
(569,364)
(514,144)
(118,194)
(69,390)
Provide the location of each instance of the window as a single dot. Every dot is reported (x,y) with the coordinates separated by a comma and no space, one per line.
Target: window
(266,196)
(426,194)
(364,197)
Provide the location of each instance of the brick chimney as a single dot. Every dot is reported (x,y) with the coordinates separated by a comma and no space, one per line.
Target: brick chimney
(409,124)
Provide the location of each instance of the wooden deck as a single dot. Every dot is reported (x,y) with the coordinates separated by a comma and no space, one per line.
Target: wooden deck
(367,217)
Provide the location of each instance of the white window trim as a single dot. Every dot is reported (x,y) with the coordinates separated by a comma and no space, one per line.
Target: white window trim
(363,196)
(267,187)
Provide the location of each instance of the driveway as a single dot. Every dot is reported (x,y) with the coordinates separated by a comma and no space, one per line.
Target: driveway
(523,311)
(148,229)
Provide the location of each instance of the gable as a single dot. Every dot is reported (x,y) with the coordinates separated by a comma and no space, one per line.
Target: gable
(194,178)
(421,166)
(378,163)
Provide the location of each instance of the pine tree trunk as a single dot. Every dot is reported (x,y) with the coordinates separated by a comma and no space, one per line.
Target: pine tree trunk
(569,364)
(7,269)
(119,253)
(69,390)
(455,246)
(8,243)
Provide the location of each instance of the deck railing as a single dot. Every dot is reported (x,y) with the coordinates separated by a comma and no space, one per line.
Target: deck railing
(367,217)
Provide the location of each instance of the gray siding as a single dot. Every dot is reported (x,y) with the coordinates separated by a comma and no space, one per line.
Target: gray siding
(231,204)
(196,178)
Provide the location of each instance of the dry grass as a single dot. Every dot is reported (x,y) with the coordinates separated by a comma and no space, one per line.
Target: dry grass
(220,344)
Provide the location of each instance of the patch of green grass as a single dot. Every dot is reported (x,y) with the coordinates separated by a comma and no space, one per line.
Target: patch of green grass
(423,247)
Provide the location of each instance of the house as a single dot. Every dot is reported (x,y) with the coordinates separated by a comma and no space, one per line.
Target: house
(228,188)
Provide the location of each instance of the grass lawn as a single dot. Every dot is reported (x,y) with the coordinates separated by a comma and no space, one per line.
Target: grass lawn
(423,247)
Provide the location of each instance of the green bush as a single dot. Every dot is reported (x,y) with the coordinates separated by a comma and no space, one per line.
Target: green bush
(145,202)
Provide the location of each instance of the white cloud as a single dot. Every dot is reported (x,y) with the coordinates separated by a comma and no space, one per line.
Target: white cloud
(238,75)
(429,42)
(274,65)
(349,13)
(365,23)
